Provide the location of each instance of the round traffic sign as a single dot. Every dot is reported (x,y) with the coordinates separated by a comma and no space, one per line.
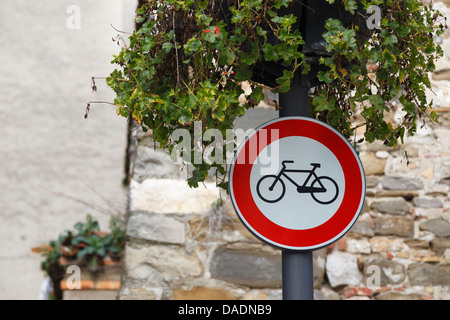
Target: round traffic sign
(297,183)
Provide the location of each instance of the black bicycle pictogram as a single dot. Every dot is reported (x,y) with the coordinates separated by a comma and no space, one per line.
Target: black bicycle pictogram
(271,188)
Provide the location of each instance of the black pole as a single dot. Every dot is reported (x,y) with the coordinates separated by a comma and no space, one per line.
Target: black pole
(297,275)
(297,266)
(295,101)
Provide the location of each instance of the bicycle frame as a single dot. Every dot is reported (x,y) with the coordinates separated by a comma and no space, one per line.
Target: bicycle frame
(300,188)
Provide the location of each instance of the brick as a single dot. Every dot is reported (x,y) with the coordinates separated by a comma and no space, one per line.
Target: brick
(112,262)
(342,244)
(84,285)
(357,291)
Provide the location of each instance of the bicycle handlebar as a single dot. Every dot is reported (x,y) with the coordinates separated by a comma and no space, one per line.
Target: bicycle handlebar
(287,161)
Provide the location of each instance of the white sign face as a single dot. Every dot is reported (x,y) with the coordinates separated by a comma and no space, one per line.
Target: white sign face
(294,189)
(300,180)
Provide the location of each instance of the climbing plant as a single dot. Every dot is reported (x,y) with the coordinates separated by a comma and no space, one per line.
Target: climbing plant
(186,63)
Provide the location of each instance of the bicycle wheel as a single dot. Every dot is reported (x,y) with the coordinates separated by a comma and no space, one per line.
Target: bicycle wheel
(331,193)
(267,193)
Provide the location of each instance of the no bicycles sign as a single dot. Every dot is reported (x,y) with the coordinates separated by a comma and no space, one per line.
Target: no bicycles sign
(297,184)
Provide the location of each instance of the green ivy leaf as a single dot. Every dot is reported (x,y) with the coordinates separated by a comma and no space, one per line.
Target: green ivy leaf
(390,40)
(227,57)
(324,77)
(351,6)
(244,73)
(193,45)
(270,54)
(167,46)
(257,94)
(388,59)
(285,81)
(377,101)
(186,116)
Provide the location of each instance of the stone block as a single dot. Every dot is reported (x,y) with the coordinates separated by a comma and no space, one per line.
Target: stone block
(401,183)
(382,271)
(156,227)
(439,245)
(439,227)
(385,244)
(202,293)
(90,295)
(245,267)
(397,206)
(446,254)
(396,226)
(427,203)
(425,274)
(358,246)
(442,170)
(407,195)
(398,296)
(372,181)
(140,293)
(417,244)
(218,224)
(155,163)
(160,262)
(361,228)
(372,164)
(342,269)
(172,196)
(319,258)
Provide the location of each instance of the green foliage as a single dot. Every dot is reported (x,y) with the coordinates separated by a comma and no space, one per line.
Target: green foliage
(403,52)
(51,264)
(185,64)
(88,245)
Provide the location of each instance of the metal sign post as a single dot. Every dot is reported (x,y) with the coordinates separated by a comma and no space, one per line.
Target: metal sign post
(297,275)
(297,184)
(297,266)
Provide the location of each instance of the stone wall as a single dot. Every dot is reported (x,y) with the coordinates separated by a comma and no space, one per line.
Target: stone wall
(189,244)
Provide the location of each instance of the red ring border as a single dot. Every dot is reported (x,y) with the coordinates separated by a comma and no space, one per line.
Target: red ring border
(276,235)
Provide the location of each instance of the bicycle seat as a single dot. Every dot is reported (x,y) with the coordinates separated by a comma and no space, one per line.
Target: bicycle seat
(316,165)
(287,161)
